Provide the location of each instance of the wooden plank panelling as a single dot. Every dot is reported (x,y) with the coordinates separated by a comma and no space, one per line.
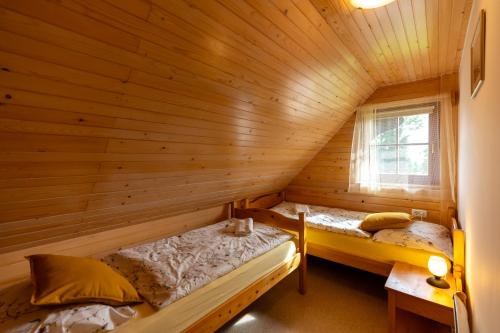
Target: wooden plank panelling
(119,112)
(404,41)
(14,267)
(115,113)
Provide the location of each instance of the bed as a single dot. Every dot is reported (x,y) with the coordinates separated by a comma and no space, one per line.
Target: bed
(344,244)
(205,304)
(208,308)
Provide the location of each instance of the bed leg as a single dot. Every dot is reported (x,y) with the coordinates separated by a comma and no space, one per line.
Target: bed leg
(303,274)
(303,254)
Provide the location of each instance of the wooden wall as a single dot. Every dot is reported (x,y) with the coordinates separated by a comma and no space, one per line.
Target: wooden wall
(14,267)
(120,112)
(325,180)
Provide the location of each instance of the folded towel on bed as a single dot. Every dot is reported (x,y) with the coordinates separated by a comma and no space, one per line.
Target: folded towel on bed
(301,208)
(241,227)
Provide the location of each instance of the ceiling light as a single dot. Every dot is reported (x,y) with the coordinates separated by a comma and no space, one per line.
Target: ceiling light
(366,4)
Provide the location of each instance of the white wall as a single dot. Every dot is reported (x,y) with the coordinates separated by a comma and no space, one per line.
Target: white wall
(479,174)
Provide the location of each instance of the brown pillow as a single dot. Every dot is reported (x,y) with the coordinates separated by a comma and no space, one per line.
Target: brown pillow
(389,220)
(66,280)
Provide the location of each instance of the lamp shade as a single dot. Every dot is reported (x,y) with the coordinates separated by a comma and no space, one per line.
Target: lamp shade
(437,266)
(367,4)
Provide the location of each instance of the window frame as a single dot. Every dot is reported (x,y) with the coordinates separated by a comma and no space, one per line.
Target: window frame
(433,177)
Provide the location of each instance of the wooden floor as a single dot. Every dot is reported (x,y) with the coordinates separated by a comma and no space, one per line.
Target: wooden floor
(340,299)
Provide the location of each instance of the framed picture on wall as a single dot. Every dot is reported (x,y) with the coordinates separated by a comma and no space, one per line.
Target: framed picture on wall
(477,55)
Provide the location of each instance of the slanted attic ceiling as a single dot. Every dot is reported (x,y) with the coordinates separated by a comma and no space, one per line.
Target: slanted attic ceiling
(119,112)
(405,41)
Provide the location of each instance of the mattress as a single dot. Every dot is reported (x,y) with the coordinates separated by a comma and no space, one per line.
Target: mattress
(420,235)
(180,315)
(370,249)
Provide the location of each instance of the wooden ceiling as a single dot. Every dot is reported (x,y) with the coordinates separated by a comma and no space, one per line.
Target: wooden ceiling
(116,112)
(405,41)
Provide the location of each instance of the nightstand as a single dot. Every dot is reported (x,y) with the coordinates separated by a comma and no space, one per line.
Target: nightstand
(416,306)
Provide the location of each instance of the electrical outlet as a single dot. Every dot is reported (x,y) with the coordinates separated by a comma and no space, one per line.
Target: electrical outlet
(422,213)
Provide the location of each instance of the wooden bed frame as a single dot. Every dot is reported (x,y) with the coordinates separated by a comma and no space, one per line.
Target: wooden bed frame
(259,209)
(277,220)
(226,311)
(14,267)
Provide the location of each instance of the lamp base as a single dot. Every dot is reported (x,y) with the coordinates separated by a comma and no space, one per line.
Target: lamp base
(438,282)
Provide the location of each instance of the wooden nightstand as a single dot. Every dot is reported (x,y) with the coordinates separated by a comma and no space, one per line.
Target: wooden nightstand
(411,299)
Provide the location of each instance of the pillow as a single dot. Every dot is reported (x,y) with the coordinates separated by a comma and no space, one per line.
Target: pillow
(389,220)
(65,280)
(301,208)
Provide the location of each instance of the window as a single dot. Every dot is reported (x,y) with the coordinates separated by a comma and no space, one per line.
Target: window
(405,149)
(407,143)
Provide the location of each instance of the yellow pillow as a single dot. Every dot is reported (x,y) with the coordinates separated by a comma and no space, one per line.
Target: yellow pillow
(64,280)
(389,220)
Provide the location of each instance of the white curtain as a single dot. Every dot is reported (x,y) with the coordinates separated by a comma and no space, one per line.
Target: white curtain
(448,149)
(364,173)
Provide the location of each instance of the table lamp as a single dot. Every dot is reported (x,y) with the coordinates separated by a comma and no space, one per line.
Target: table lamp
(437,266)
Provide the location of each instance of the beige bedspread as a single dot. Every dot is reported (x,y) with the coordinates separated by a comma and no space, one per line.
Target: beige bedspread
(171,268)
(326,218)
(186,311)
(420,235)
